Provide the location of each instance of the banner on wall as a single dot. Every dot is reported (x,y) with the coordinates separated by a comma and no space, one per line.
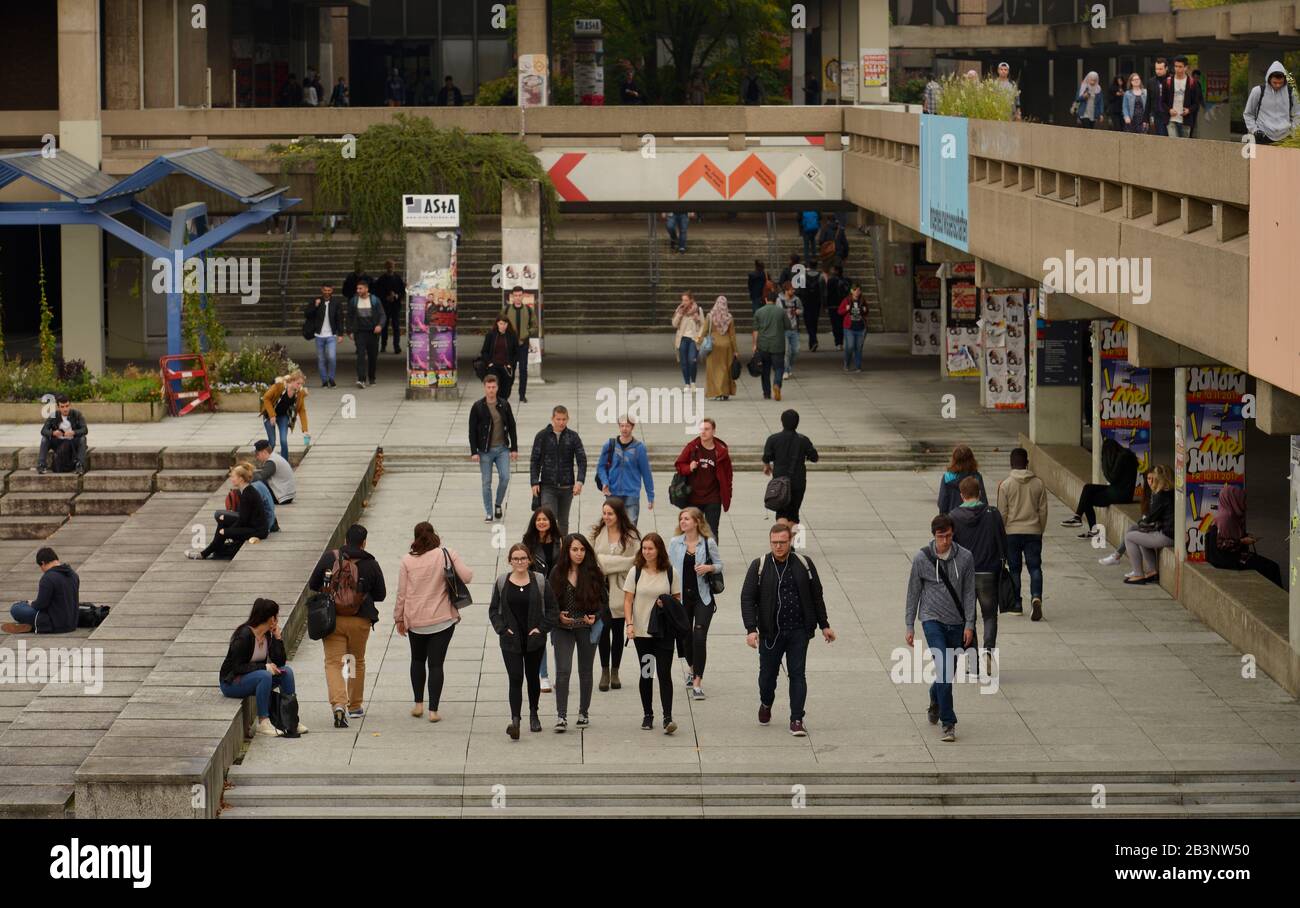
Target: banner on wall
(875,70)
(1124,403)
(926,290)
(1003,340)
(1214,446)
(431,328)
(962,340)
(944,199)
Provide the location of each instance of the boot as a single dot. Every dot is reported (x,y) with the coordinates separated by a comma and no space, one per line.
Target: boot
(613,679)
(604,679)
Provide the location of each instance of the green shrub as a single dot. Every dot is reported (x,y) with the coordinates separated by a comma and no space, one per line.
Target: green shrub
(252,369)
(22,382)
(974,99)
(910,92)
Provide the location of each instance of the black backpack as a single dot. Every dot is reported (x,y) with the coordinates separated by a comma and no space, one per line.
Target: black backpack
(89,615)
(284,713)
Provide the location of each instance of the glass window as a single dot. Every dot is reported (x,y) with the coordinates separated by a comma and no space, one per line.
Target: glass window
(1022,12)
(458,61)
(421,18)
(358,22)
(494,60)
(458,17)
(386,20)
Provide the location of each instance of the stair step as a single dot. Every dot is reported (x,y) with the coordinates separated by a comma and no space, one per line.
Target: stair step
(31,481)
(197,459)
(126,457)
(36,504)
(40,527)
(104,503)
(191,479)
(118,481)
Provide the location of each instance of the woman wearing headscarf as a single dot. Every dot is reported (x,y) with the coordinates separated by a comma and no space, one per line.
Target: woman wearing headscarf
(1089,104)
(1229,546)
(718,383)
(1135,105)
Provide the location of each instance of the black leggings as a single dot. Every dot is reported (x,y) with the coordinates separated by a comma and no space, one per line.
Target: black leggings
(700,616)
(518,667)
(661,652)
(611,643)
(1095,495)
(228,543)
(427,654)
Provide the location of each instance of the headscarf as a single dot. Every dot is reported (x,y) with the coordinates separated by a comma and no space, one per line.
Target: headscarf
(1089,87)
(1230,516)
(972,75)
(720,315)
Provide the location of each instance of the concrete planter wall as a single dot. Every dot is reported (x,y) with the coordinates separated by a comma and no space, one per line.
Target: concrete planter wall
(94,411)
(243,402)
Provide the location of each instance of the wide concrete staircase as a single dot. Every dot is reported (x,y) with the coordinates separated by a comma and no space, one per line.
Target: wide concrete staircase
(592,286)
(690,792)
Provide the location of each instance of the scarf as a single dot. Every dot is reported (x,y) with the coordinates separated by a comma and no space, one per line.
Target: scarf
(1230,516)
(720,315)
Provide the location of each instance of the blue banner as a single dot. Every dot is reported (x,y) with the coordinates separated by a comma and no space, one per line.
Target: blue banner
(944,170)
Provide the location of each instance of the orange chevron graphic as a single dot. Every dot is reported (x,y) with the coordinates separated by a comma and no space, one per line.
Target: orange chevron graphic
(704,168)
(751,168)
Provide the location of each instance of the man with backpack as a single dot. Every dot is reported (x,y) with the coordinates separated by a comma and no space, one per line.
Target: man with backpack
(1180,94)
(1271,113)
(782,606)
(623,468)
(978,528)
(785,456)
(941,593)
(354,581)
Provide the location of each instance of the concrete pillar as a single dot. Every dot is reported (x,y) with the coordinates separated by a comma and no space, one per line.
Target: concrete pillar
(1277,412)
(192,54)
(1180,462)
(1214,123)
(798,62)
(830,50)
(82,270)
(220,57)
(849,49)
(325,26)
(530,27)
(873,33)
(1293,562)
(338,45)
(122,54)
(521,242)
(159,53)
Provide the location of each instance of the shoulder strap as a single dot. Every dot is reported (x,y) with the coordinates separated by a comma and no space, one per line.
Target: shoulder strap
(636,581)
(943,575)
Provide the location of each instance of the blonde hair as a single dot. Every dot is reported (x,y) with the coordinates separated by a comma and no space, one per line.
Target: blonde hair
(244,470)
(701,525)
(1164,478)
(295,376)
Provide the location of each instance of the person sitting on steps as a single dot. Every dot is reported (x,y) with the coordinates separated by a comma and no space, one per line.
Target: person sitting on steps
(64,435)
(256,662)
(249,524)
(54,610)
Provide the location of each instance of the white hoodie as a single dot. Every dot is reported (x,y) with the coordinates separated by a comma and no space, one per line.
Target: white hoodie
(1270,111)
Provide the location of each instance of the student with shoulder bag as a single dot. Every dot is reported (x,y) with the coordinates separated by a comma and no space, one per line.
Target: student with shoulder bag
(644,589)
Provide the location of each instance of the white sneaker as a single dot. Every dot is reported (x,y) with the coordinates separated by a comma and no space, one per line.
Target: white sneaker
(788,375)
(1131,574)
(1112,558)
(546,685)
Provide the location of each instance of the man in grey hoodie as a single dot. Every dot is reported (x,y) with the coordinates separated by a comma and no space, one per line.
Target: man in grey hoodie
(1271,114)
(941,592)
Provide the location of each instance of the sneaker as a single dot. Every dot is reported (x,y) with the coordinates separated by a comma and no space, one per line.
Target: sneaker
(40,469)
(949,734)
(697,693)
(1112,558)
(340,718)
(669,725)
(324,384)
(787,375)
(1130,574)
(1089,533)
(487,518)
(1017,609)
(583,721)
(194,555)
(498,512)
(513,729)
(12,627)
(932,713)
(689,676)
(648,723)
(302,729)
(1074,521)
(264,727)
(1036,613)
(522,399)
(797,729)
(858,370)
(358,713)
(764,714)
(561,725)
(776,392)
(361,384)
(534,723)
(546,685)
(333,383)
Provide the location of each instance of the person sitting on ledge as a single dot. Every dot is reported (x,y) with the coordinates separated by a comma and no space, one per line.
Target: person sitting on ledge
(255,663)
(1227,544)
(54,610)
(275,471)
(234,528)
(64,435)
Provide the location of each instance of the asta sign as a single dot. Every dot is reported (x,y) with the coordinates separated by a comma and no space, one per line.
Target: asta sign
(430,211)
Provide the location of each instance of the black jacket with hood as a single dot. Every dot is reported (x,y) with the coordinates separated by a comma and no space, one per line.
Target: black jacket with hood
(979,528)
(370,578)
(56,600)
(1120,467)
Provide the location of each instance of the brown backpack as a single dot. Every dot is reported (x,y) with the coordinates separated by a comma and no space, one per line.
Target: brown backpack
(342,586)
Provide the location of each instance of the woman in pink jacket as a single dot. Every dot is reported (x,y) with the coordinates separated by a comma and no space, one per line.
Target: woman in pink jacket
(424,612)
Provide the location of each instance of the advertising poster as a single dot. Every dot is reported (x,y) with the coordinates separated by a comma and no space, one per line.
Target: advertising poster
(431,327)
(963,302)
(533,73)
(926,300)
(1125,401)
(1004,345)
(875,70)
(849,81)
(1215,446)
(945,203)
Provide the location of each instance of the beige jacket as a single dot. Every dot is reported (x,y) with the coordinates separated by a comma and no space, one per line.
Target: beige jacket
(1022,501)
(691,326)
(615,563)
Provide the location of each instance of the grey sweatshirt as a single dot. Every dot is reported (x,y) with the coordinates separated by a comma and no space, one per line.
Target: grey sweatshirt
(927,595)
(1269,111)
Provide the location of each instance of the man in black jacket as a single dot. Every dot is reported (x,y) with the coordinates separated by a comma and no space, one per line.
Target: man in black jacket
(1181,96)
(366,319)
(66,428)
(782,606)
(54,610)
(786,453)
(391,290)
(558,467)
(323,317)
(345,649)
(493,442)
(979,528)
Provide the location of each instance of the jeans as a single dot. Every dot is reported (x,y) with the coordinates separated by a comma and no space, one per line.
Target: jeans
(793,645)
(23,613)
(500,458)
(655,656)
(945,642)
(612,638)
(521,367)
(688,356)
(713,514)
(259,684)
(428,652)
(521,667)
(1180,130)
(1144,548)
(676,225)
(986,593)
(392,322)
(281,423)
(367,354)
(809,245)
(853,339)
(631,505)
(564,641)
(327,357)
(773,368)
(559,499)
(53,444)
(791,348)
(811,316)
(1030,545)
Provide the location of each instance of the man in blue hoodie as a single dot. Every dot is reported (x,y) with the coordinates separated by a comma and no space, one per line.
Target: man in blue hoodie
(623,468)
(54,610)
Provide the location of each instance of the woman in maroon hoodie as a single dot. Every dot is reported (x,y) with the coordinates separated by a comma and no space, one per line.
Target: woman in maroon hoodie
(706,462)
(424,613)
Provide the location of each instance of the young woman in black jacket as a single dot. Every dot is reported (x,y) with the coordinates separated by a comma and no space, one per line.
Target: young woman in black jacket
(255,663)
(500,351)
(523,610)
(1155,531)
(543,541)
(582,596)
(234,528)
(1120,467)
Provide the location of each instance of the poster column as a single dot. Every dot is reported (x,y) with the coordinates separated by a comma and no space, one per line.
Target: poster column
(588,62)
(926,304)
(1003,328)
(1213,443)
(962,351)
(521,257)
(430,222)
(1123,396)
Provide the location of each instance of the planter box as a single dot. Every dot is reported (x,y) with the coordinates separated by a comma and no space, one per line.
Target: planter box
(94,411)
(243,402)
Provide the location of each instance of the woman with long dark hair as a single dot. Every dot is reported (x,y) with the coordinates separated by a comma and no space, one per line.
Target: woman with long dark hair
(255,663)
(615,541)
(652,576)
(424,613)
(523,609)
(500,351)
(581,594)
(543,541)
(961,465)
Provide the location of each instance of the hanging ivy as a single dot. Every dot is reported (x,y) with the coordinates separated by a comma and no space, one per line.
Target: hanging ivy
(47,339)
(410,155)
(2,324)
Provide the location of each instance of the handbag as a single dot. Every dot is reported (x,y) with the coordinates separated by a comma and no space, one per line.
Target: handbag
(755,366)
(679,492)
(735,367)
(480,368)
(777,495)
(456,588)
(89,615)
(707,347)
(716,583)
(1008,590)
(284,713)
(321,616)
